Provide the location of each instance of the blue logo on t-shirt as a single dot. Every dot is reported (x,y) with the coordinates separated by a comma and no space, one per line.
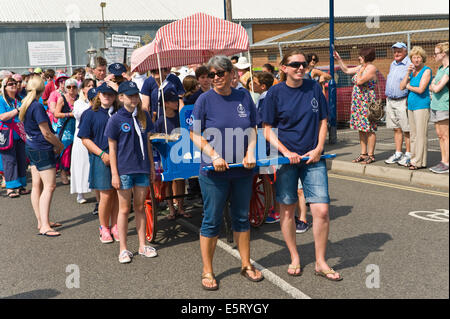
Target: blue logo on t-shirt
(125,127)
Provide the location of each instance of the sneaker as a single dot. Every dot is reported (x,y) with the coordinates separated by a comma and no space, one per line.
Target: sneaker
(273,217)
(95,211)
(105,235)
(81,200)
(149,251)
(301,226)
(440,168)
(405,161)
(394,159)
(115,233)
(125,257)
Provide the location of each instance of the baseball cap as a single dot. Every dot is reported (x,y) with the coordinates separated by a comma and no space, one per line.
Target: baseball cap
(92,93)
(128,88)
(37,70)
(399,45)
(117,69)
(62,76)
(105,88)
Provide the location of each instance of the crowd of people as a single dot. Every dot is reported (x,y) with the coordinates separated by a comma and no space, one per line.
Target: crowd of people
(94,126)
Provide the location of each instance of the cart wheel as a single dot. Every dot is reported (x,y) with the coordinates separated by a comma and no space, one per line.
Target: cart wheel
(227,222)
(261,200)
(151,214)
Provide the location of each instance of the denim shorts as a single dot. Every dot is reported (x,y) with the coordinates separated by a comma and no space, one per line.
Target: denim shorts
(99,174)
(128,181)
(215,192)
(43,160)
(313,177)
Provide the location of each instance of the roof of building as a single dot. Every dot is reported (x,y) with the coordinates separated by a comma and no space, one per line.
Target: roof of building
(321,30)
(86,11)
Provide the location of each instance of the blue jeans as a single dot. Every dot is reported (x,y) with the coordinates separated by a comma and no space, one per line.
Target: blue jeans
(128,181)
(314,179)
(215,192)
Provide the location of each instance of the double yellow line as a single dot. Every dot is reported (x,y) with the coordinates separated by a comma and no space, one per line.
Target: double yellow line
(373,182)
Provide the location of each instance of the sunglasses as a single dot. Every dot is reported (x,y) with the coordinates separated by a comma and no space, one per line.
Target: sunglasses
(220,74)
(71,87)
(11,84)
(296,65)
(314,59)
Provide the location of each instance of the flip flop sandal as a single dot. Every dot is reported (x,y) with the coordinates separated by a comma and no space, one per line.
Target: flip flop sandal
(13,194)
(55,224)
(328,272)
(23,191)
(370,159)
(211,277)
(295,274)
(48,235)
(246,275)
(360,158)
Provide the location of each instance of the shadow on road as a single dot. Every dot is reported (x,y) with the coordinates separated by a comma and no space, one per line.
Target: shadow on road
(36,294)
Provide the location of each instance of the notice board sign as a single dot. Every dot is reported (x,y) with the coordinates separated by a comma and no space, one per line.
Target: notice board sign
(125,41)
(47,53)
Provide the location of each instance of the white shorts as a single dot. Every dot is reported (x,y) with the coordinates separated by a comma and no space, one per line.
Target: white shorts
(397,114)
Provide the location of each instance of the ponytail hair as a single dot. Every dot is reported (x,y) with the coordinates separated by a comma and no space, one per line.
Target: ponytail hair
(35,88)
(284,61)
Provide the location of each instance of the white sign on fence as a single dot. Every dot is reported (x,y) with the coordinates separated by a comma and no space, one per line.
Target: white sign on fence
(47,53)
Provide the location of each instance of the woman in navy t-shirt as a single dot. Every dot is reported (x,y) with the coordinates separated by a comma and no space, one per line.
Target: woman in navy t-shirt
(131,168)
(41,148)
(225,131)
(298,110)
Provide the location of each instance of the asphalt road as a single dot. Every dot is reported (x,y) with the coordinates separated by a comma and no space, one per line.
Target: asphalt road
(381,250)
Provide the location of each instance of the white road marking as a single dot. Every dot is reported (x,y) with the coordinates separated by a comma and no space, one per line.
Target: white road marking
(268,275)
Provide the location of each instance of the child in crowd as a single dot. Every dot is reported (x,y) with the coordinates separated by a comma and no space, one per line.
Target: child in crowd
(91,131)
(192,89)
(131,168)
(173,124)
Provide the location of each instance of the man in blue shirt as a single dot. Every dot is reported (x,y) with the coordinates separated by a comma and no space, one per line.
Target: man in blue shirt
(396,104)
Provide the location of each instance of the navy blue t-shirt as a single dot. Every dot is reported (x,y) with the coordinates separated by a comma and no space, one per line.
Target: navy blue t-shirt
(92,126)
(191,99)
(296,113)
(214,111)
(36,115)
(172,123)
(129,155)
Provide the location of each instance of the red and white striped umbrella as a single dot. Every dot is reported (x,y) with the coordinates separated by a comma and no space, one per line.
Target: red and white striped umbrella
(191,40)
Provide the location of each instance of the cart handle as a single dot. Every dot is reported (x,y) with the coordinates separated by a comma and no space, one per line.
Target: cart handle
(270,161)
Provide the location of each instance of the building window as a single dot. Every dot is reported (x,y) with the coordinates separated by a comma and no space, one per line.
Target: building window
(380,52)
(272,57)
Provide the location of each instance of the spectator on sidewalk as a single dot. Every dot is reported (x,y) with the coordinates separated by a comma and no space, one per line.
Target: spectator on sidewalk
(439,106)
(312,73)
(50,84)
(417,80)
(365,81)
(396,106)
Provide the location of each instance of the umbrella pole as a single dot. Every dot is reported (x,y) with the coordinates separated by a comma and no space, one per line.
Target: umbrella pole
(162,95)
(251,72)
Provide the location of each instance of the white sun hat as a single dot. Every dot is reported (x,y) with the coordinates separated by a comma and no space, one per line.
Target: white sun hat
(242,63)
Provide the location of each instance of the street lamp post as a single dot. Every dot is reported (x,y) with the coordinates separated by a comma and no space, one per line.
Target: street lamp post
(103,5)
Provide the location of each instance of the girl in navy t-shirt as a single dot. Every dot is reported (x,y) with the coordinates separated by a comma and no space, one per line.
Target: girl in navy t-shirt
(91,131)
(131,168)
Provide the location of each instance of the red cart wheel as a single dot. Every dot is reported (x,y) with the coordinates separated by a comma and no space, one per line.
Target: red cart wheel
(151,214)
(261,200)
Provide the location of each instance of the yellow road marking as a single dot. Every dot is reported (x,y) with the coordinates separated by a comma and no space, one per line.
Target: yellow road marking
(373,182)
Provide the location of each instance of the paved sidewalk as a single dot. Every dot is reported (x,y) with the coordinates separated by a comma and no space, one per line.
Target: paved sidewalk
(348,147)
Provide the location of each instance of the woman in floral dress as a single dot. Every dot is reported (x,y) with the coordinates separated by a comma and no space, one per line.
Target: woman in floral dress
(364,81)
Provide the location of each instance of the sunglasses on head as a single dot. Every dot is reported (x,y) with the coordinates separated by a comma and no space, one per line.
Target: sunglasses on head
(296,65)
(220,74)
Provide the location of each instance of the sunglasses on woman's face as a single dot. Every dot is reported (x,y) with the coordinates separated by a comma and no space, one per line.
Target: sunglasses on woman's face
(11,84)
(296,65)
(220,74)
(71,87)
